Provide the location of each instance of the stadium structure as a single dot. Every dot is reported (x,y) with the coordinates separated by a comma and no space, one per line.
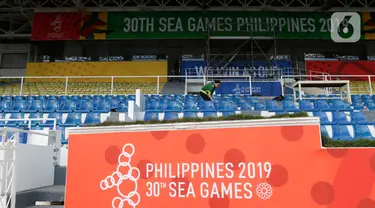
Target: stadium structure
(69,64)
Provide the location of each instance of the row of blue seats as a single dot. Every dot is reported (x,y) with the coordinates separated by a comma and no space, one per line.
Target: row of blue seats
(342,118)
(341,132)
(269,105)
(65,106)
(72,120)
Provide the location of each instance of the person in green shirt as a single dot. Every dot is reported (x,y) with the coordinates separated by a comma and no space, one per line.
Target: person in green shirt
(209,89)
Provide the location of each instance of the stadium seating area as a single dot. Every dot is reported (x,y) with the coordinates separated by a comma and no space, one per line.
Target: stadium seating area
(89,88)
(339,119)
(77,88)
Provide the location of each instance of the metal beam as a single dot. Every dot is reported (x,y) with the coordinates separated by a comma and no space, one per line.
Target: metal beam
(212,8)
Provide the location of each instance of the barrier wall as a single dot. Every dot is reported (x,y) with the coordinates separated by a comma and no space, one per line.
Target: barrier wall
(126,68)
(261,163)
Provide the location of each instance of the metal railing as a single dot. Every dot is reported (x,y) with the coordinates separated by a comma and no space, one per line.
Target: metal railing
(359,84)
(81,85)
(29,121)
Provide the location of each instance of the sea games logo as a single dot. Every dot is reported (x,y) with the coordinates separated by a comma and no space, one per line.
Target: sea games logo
(57,26)
(214,180)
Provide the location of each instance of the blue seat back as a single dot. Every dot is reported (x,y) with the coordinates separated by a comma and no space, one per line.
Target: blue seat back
(170,116)
(306,105)
(323,117)
(341,132)
(92,118)
(151,116)
(357,117)
(339,117)
(190,115)
(362,132)
(73,119)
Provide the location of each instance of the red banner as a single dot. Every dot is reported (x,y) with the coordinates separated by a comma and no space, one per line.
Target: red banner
(343,68)
(56,26)
(273,167)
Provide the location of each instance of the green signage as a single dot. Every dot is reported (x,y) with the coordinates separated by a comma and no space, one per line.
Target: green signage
(197,25)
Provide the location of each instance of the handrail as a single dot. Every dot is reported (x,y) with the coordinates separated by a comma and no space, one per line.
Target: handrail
(29,120)
(158,79)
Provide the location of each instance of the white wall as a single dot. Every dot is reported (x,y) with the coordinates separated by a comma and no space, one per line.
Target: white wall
(34,167)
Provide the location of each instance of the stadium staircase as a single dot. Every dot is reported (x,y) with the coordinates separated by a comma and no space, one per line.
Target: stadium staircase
(55,193)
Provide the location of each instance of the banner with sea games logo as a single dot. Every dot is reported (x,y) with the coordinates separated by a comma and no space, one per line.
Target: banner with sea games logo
(259,88)
(280,164)
(257,69)
(189,25)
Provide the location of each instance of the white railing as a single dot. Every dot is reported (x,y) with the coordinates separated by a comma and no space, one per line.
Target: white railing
(366,80)
(114,84)
(29,121)
(70,85)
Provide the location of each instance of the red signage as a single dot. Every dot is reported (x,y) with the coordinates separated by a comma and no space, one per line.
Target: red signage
(56,26)
(269,167)
(343,68)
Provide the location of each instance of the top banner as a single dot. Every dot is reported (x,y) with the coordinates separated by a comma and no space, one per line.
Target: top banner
(190,25)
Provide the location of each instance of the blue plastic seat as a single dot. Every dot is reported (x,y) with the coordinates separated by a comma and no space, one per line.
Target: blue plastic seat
(341,132)
(132,97)
(67,106)
(168,116)
(228,113)
(51,106)
(245,107)
(97,97)
(36,116)
(19,123)
(259,107)
(173,106)
(85,106)
(190,106)
(5,105)
(305,105)
(227,107)
(151,116)
(34,106)
(122,107)
(210,114)
(86,97)
(18,106)
(92,118)
(154,106)
(322,105)
(271,105)
(289,106)
(114,103)
(103,107)
(362,132)
(359,118)
(323,117)
(73,119)
(340,118)
(190,114)
(49,123)
(357,105)
(340,105)
(207,106)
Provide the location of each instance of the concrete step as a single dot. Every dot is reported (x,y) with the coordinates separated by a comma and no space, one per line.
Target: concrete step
(50,193)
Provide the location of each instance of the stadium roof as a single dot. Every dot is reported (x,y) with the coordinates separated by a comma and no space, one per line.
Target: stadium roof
(16,15)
